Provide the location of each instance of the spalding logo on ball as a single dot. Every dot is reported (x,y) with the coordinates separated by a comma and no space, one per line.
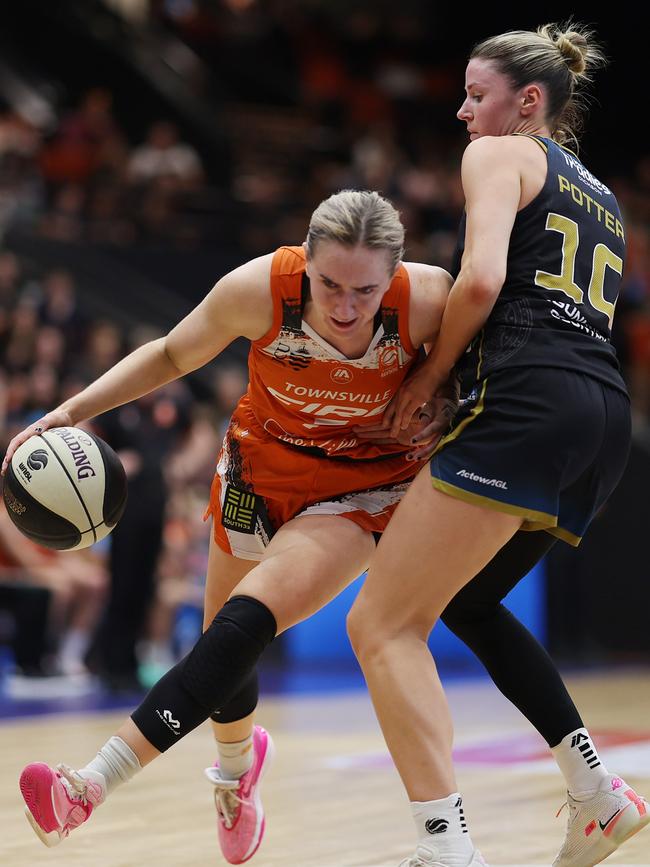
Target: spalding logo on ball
(65,488)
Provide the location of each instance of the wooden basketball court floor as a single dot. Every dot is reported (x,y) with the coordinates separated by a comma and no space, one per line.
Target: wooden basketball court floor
(332,797)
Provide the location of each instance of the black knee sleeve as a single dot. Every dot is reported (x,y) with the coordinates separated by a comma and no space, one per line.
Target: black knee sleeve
(212,673)
(242,704)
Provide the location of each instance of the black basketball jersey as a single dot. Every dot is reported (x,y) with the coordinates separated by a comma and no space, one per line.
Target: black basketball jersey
(565,262)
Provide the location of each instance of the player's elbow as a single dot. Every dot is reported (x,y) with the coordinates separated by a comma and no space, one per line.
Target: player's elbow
(171,358)
(482,285)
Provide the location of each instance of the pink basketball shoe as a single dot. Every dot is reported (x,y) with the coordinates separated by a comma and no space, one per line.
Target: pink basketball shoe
(58,801)
(239,807)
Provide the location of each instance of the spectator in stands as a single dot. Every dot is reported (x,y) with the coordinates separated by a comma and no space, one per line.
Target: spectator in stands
(164,155)
(76,581)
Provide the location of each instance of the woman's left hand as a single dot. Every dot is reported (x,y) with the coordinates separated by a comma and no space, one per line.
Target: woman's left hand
(424,431)
(413,394)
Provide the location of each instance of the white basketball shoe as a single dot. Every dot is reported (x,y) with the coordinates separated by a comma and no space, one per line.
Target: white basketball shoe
(598,826)
(425,857)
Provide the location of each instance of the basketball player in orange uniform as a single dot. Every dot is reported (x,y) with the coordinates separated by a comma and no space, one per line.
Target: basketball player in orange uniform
(335,326)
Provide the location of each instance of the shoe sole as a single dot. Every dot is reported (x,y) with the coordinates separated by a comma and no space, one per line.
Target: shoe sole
(28,785)
(49,839)
(616,843)
(268,759)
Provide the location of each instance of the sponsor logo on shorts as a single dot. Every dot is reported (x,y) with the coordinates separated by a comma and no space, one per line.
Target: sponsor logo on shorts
(473,477)
(245,512)
(172,724)
(239,510)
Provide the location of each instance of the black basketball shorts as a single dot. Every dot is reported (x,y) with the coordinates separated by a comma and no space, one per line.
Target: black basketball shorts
(544,443)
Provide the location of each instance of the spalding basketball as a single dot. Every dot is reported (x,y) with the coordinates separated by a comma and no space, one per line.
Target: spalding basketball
(65,488)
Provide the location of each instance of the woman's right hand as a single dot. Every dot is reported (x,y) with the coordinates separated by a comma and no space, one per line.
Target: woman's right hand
(56,418)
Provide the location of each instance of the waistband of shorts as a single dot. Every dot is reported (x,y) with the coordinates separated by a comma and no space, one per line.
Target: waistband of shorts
(316,452)
(498,373)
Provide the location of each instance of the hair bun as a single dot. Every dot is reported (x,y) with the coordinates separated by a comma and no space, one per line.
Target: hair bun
(573,48)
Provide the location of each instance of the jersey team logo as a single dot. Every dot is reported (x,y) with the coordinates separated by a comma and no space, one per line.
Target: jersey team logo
(388,360)
(341,374)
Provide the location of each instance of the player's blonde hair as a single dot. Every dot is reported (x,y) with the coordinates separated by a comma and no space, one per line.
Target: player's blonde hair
(560,57)
(358,217)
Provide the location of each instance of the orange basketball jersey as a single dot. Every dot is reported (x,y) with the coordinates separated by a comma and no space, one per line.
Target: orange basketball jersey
(305,392)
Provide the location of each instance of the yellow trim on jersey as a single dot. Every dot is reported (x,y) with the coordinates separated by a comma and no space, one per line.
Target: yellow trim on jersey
(480,355)
(542,144)
(531,518)
(476,411)
(565,148)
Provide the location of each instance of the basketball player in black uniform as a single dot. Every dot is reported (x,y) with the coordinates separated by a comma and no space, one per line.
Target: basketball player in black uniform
(535,451)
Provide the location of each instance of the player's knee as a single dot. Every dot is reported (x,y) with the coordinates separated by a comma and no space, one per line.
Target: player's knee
(370,634)
(357,628)
(240,705)
(228,649)
(211,676)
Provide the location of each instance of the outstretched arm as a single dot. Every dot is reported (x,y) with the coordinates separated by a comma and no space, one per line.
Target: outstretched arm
(239,304)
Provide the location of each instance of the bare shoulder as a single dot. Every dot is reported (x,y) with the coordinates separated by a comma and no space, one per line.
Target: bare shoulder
(503,151)
(238,305)
(430,287)
(244,296)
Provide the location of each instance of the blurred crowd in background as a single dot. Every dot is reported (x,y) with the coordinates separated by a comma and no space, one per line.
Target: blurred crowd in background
(154,562)
(307,101)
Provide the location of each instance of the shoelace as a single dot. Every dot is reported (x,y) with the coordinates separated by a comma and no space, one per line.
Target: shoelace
(226,798)
(413,862)
(572,811)
(77,786)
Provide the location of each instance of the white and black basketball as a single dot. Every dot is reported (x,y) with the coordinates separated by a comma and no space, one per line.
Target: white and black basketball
(65,488)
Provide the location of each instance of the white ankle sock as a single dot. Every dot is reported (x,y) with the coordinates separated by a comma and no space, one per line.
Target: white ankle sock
(71,652)
(441,827)
(115,763)
(580,763)
(236,758)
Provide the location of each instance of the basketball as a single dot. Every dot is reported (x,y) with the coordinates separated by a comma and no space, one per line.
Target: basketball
(65,488)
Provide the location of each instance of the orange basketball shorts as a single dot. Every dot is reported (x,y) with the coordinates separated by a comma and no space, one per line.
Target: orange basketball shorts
(260,484)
